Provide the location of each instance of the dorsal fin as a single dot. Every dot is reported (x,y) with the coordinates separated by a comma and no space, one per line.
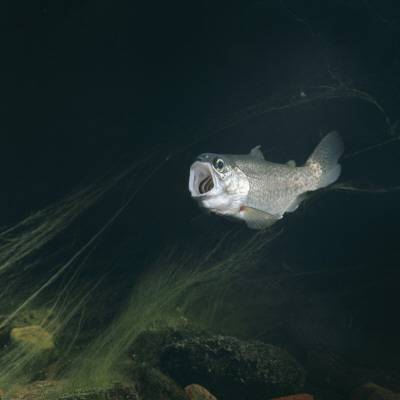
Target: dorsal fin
(256,152)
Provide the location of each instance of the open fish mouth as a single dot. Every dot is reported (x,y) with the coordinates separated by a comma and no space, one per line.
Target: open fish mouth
(201,179)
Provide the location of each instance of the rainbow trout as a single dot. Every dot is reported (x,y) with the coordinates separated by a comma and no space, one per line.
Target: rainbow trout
(259,192)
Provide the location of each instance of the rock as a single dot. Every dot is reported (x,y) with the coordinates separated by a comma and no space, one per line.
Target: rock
(302,396)
(150,344)
(370,391)
(33,335)
(233,369)
(118,392)
(331,371)
(49,389)
(197,392)
(153,384)
(42,316)
(35,340)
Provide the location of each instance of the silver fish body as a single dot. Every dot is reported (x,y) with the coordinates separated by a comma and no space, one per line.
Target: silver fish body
(249,188)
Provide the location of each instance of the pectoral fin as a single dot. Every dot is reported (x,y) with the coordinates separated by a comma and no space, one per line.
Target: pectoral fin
(257,219)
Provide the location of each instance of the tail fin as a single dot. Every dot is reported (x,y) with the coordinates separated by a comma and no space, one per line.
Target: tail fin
(325,159)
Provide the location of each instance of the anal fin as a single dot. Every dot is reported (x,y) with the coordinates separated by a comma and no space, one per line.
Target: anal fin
(257,219)
(295,203)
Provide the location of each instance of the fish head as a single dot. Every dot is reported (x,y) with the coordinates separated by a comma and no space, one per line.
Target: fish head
(213,182)
(210,175)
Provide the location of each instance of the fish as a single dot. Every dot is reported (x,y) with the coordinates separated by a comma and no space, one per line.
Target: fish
(248,188)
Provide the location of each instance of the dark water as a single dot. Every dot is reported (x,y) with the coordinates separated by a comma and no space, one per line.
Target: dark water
(92,86)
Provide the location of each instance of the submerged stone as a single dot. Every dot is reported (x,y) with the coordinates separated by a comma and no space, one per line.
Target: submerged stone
(301,396)
(234,369)
(37,342)
(153,384)
(40,316)
(197,392)
(33,335)
(120,391)
(370,391)
(149,345)
(51,389)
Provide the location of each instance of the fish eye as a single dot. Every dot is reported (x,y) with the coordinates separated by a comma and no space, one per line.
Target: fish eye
(218,164)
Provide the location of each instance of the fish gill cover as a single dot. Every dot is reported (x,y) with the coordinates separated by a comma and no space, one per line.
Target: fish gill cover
(114,112)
